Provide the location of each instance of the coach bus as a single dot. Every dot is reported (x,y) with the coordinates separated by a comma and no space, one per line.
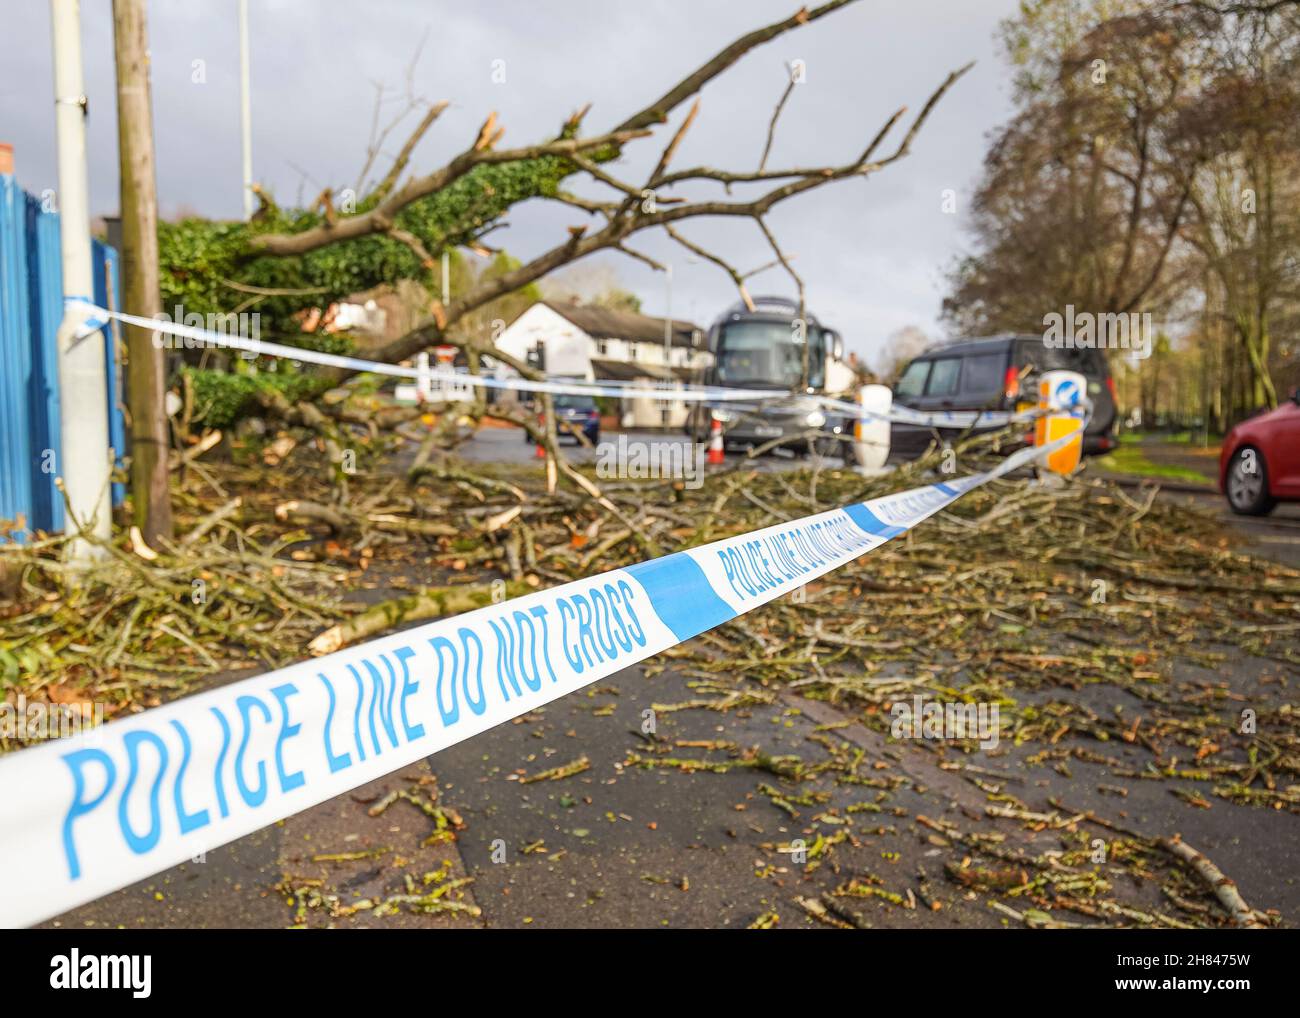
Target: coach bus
(770,347)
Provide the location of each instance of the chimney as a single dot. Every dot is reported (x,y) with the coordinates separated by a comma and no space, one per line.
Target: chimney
(113,232)
(6,157)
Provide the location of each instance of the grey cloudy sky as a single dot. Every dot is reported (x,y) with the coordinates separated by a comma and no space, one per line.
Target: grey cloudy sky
(872,251)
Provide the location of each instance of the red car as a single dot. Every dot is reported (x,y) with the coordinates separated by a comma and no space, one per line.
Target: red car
(1260,462)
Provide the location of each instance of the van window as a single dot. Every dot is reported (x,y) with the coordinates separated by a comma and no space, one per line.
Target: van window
(943,378)
(1089,363)
(982,373)
(913,381)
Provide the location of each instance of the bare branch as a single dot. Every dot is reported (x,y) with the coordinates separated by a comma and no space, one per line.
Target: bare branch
(404,156)
(413,242)
(378,137)
(489,134)
(776,115)
(605,208)
(658,111)
(709,256)
(580,244)
(803,299)
(728,178)
(764,267)
(275,291)
(657,266)
(921,118)
(814,177)
(671,148)
(609,179)
(784,260)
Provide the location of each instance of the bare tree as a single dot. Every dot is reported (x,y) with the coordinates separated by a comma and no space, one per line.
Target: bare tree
(1246,229)
(1153,164)
(901,346)
(1086,187)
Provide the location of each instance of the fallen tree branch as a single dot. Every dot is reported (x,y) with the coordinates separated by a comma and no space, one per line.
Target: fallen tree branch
(222,512)
(1224,888)
(381,218)
(428,604)
(193,452)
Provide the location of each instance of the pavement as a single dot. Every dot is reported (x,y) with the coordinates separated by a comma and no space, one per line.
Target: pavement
(620,843)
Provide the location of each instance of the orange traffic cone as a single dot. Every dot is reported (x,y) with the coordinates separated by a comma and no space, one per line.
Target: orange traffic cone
(716,450)
(539,451)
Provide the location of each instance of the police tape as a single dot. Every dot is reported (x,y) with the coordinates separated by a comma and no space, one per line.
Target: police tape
(83,816)
(955,420)
(96,317)
(762,399)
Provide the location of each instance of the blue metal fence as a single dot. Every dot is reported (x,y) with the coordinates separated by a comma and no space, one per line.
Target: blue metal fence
(31,307)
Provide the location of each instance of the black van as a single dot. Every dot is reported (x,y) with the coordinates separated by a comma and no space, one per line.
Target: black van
(997,373)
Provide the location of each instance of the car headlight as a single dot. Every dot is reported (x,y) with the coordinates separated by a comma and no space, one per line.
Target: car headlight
(815,419)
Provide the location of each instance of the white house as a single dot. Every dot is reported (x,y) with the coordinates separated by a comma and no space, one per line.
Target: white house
(594,343)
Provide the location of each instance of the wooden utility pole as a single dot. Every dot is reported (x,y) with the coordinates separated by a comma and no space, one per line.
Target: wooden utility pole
(146,362)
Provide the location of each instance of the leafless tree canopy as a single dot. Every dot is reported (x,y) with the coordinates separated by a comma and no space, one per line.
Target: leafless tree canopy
(1153,165)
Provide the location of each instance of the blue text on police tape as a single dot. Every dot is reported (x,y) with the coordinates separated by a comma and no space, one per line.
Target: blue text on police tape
(375,702)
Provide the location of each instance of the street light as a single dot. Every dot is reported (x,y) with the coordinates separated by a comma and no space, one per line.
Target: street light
(83,391)
(668,317)
(245,110)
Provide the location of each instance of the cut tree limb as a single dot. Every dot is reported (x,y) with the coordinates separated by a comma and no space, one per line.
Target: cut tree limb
(314,512)
(222,512)
(209,440)
(428,604)
(1223,886)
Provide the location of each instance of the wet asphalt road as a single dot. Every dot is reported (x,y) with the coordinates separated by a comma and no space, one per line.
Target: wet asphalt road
(625,846)
(1276,536)
(620,845)
(508,445)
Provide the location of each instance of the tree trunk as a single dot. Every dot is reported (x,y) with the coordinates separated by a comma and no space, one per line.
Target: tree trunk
(146,362)
(1262,393)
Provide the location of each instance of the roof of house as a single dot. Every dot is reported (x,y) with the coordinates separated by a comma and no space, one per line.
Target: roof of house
(604,323)
(627,371)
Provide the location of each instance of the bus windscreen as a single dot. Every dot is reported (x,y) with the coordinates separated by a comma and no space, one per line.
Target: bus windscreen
(766,353)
